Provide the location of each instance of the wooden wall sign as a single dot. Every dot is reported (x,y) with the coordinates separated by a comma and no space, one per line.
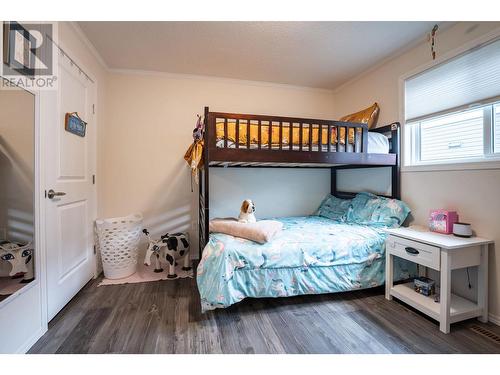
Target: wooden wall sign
(74,124)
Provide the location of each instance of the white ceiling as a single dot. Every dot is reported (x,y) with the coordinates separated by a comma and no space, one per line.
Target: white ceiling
(312,54)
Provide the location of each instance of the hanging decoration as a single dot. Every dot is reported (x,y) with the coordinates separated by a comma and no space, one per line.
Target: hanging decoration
(432,40)
(74,124)
(194,154)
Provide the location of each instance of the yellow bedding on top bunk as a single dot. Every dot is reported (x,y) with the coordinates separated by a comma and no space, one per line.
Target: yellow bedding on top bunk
(254,134)
(366,116)
(194,154)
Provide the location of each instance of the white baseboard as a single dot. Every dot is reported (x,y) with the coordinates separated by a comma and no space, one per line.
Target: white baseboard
(495,319)
(31,341)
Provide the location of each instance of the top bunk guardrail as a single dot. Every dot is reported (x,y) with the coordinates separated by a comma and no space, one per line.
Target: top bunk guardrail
(259,140)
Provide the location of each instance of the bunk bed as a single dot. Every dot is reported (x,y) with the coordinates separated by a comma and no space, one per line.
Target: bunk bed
(283,152)
(243,140)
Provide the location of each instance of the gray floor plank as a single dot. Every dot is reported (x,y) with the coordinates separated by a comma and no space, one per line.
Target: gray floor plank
(165,317)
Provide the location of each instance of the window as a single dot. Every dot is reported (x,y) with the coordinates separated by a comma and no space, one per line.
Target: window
(452,110)
(497,128)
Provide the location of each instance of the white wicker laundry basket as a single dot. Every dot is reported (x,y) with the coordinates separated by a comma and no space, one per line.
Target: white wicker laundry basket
(118,242)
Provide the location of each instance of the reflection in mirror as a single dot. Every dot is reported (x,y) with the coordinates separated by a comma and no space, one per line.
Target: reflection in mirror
(17,182)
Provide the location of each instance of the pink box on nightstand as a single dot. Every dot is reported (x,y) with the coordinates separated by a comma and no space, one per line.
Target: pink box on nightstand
(442,221)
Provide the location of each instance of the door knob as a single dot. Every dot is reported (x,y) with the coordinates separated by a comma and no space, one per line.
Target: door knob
(51,194)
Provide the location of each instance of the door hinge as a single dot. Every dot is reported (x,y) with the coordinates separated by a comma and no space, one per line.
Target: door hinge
(93,109)
(93,179)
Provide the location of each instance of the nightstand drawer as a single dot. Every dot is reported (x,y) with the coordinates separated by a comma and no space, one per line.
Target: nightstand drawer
(414,251)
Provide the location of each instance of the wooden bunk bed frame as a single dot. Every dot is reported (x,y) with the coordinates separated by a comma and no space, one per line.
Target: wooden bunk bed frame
(217,151)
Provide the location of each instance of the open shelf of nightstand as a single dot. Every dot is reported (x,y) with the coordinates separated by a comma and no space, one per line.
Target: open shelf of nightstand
(460,308)
(443,253)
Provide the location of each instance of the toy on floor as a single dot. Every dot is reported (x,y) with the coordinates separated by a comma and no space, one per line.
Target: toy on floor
(169,248)
(20,256)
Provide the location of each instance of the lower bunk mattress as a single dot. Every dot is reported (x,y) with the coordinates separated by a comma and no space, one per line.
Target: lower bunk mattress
(312,255)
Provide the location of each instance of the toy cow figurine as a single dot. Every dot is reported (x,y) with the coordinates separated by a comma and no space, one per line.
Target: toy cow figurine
(20,257)
(169,248)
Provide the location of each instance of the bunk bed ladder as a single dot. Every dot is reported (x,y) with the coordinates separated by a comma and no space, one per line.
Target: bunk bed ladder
(203,219)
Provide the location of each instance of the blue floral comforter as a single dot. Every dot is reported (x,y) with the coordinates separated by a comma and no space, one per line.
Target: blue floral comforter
(312,255)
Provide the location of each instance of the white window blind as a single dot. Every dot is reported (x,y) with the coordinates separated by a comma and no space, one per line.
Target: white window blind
(468,79)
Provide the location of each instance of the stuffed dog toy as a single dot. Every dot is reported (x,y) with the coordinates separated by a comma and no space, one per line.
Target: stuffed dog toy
(247,212)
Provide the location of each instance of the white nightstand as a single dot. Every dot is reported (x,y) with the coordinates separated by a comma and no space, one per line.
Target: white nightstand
(442,253)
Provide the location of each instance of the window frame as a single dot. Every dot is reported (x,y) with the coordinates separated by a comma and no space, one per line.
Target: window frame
(415,140)
(490,160)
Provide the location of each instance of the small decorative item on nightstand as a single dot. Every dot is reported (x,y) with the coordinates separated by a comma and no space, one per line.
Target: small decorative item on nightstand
(462,230)
(424,285)
(442,221)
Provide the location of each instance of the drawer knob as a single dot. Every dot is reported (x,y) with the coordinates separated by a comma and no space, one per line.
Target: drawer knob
(412,250)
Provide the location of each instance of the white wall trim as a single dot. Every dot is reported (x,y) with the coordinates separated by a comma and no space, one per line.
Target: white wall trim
(39,225)
(40,212)
(23,349)
(81,34)
(495,319)
(219,79)
(69,52)
(454,166)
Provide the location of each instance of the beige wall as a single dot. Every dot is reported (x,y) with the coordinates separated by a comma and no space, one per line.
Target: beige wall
(148,128)
(474,193)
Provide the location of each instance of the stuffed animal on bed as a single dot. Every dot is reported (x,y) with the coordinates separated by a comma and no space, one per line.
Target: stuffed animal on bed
(247,212)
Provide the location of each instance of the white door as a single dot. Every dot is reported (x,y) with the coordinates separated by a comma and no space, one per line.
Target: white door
(70,166)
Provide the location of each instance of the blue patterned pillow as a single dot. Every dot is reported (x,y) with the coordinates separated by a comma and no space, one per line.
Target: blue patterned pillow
(390,212)
(334,208)
(362,207)
(370,209)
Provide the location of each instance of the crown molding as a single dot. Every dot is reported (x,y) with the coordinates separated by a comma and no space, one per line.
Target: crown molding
(234,81)
(81,34)
(400,52)
(333,91)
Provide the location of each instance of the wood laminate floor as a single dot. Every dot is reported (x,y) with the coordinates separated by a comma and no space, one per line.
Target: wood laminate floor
(165,317)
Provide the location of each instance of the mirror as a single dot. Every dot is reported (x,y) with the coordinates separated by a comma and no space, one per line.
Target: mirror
(17,185)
